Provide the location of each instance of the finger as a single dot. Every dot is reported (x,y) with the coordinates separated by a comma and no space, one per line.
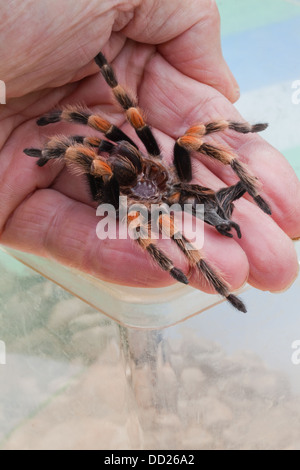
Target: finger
(52,225)
(271,254)
(20,176)
(187,102)
(197,53)
(278,183)
(48,63)
(188,37)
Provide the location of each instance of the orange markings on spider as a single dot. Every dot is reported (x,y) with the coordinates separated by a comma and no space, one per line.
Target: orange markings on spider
(198,130)
(135,118)
(99,123)
(73,152)
(191,142)
(175,198)
(133,216)
(93,141)
(100,168)
(167,225)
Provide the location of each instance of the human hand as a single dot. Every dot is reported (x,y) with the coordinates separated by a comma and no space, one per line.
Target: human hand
(49,212)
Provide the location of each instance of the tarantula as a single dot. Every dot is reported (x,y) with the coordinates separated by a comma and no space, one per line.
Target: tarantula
(115,166)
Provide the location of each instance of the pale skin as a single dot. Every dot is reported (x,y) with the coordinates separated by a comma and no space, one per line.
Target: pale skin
(169,54)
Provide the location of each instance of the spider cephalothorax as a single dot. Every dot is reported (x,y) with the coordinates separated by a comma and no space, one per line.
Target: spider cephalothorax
(115,167)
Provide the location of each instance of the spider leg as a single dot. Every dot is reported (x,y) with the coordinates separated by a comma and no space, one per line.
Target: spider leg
(219,126)
(218,206)
(220,214)
(224,209)
(192,142)
(130,106)
(80,156)
(196,260)
(150,246)
(79,115)
(222,224)
(57,146)
(226,197)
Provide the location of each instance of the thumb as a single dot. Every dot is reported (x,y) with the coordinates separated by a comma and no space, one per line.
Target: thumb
(197,52)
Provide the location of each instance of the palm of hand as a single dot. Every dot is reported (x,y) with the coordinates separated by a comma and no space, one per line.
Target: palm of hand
(49,212)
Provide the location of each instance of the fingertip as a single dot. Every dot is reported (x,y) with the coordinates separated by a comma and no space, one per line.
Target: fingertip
(229,86)
(271,253)
(228,260)
(235,94)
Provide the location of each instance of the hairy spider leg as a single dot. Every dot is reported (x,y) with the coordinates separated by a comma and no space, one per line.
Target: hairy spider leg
(80,115)
(56,147)
(196,260)
(182,159)
(219,126)
(226,197)
(223,225)
(219,212)
(137,224)
(218,206)
(192,141)
(124,163)
(130,106)
(80,156)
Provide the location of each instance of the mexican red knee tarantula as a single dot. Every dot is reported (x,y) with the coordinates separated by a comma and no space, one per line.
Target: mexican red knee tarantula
(115,166)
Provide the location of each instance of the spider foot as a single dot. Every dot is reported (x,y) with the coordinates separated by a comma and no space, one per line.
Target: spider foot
(262,204)
(36,153)
(237,303)
(225,229)
(179,276)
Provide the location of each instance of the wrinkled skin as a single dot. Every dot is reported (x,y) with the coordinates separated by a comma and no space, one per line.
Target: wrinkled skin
(170,55)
